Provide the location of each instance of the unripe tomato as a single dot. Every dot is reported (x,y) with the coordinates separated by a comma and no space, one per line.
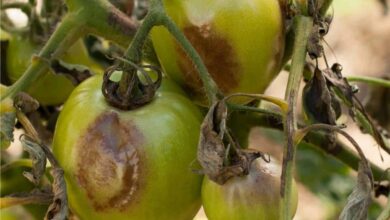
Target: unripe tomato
(129,164)
(240,41)
(50,89)
(255,196)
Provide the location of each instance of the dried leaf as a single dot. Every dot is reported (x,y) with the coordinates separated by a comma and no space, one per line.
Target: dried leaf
(320,105)
(360,198)
(346,92)
(58,210)
(75,73)
(218,152)
(38,157)
(7,123)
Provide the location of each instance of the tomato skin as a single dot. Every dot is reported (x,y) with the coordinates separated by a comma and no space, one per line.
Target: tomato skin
(49,89)
(255,196)
(240,42)
(93,143)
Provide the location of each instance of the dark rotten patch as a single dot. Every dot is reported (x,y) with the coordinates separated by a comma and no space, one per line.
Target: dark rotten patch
(217,54)
(109,158)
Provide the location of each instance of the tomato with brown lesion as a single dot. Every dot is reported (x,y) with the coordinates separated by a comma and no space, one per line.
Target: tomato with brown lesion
(129,164)
(240,42)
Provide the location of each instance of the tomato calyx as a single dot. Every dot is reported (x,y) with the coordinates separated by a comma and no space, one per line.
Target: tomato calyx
(219,153)
(138,91)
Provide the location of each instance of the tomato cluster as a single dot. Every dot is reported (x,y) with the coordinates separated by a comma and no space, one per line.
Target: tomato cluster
(137,164)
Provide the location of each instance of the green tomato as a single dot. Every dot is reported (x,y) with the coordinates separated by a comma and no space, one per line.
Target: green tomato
(49,89)
(129,164)
(254,196)
(240,42)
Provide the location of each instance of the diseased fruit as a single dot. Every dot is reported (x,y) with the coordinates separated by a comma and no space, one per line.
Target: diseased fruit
(240,42)
(129,164)
(254,196)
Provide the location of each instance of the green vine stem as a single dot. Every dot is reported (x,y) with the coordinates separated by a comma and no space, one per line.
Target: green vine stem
(155,17)
(16,163)
(369,80)
(134,51)
(303,26)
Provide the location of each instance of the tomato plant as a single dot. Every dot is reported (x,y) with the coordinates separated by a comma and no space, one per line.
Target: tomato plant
(51,89)
(133,164)
(126,148)
(240,42)
(254,196)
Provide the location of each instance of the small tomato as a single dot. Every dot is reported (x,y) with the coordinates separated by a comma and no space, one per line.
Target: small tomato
(254,196)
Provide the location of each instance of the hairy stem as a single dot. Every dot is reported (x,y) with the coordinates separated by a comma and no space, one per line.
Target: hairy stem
(134,51)
(302,29)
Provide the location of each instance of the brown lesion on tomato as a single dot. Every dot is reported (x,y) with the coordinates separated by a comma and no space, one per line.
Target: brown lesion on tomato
(218,55)
(109,162)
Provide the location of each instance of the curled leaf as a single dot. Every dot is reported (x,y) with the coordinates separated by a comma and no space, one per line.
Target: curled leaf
(360,198)
(219,153)
(74,72)
(347,94)
(58,209)
(38,157)
(320,104)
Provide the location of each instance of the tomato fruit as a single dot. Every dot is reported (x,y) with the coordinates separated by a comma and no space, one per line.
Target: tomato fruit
(51,89)
(129,164)
(255,196)
(240,42)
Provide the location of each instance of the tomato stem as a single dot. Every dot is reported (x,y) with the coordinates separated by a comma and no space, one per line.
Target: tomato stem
(302,28)
(134,51)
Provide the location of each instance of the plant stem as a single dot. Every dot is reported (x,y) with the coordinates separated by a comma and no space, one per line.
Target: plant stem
(370,80)
(209,84)
(41,198)
(302,29)
(134,51)
(68,32)
(16,163)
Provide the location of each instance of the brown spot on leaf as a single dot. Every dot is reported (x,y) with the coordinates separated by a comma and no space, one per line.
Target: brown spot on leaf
(217,54)
(109,162)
